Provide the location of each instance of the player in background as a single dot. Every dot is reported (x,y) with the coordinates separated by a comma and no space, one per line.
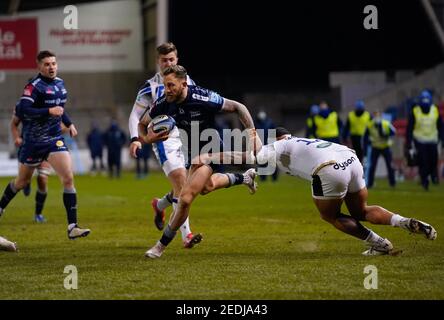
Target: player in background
(43,170)
(41,108)
(337,176)
(194,107)
(169,152)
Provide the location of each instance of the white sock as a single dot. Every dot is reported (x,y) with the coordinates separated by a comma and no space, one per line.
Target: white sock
(398,221)
(164,202)
(374,239)
(70,226)
(185,227)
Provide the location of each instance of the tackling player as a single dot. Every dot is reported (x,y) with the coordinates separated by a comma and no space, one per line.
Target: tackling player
(337,176)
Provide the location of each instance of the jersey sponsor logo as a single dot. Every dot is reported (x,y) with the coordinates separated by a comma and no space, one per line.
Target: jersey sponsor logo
(195,114)
(215,98)
(344,164)
(199,97)
(55,101)
(28,90)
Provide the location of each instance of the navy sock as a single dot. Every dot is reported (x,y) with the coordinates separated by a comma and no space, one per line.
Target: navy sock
(235,179)
(70,202)
(40,198)
(167,236)
(169,196)
(8,195)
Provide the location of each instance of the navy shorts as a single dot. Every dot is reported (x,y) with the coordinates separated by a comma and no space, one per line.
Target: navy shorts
(32,154)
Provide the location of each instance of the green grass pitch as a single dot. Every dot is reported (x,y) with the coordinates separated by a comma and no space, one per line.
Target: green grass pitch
(272,245)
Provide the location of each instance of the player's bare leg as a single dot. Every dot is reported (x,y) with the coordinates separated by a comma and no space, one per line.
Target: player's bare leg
(177,179)
(358,208)
(330,211)
(197,178)
(62,165)
(226,180)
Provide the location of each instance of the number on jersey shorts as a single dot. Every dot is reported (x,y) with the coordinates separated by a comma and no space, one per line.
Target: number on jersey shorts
(335,180)
(170,155)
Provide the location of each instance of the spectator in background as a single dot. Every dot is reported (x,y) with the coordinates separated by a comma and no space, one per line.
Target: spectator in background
(309,133)
(379,132)
(143,155)
(326,124)
(95,145)
(424,130)
(356,126)
(263,122)
(114,139)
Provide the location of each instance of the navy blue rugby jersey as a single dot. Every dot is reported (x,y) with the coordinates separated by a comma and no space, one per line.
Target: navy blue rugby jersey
(32,109)
(199,107)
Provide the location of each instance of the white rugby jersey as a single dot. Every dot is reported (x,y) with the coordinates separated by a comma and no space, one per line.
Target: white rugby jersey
(152,90)
(301,157)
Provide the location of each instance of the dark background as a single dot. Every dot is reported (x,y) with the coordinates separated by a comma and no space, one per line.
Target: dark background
(282,45)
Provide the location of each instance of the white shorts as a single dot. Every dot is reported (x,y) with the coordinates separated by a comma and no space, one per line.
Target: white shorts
(170,155)
(335,180)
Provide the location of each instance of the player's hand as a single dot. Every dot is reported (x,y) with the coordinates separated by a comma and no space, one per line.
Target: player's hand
(72,130)
(134,146)
(254,141)
(18,141)
(155,137)
(56,111)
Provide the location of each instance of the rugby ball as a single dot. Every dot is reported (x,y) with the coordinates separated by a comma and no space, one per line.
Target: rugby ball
(162,123)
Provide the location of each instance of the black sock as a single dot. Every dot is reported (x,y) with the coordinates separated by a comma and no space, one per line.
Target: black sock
(167,236)
(70,202)
(8,195)
(40,198)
